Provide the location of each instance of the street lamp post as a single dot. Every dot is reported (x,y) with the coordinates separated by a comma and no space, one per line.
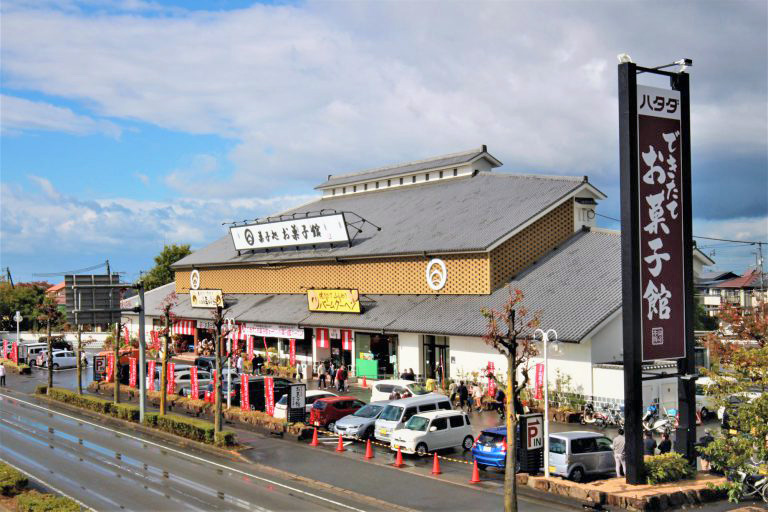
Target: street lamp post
(230,322)
(18,318)
(545,341)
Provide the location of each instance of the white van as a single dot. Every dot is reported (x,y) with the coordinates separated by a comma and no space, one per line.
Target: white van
(29,352)
(432,431)
(398,412)
(383,388)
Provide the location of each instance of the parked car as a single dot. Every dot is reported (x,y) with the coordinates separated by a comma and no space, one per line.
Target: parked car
(490,449)
(57,343)
(207,363)
(327,411)
(61,359)
(361,423)
(281,407)
(184,382)
(381,390)
(28,353)
(255,390)
(432,431)
(398,412)
(577,454)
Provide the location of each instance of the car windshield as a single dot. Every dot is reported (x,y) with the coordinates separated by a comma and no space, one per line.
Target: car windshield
(418,423)
(489,438)
(369,411)
(283,400)
(417,389)
(391,413)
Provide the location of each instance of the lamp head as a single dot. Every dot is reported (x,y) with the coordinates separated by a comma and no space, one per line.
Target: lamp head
(624,58)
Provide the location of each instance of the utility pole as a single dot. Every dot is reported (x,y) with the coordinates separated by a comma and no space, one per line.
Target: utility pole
(163,363)
(79,355)
(116,366)
(142,357)
(217,387)
(10,278)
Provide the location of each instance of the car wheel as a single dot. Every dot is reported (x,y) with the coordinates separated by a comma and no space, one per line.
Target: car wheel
(368,434)
(576,475)
(467,443)
(421,449)
(55,366)
(331,426)
(33,363)
(482,467)
(704,413)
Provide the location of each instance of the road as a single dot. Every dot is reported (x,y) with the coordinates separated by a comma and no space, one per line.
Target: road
(110,470)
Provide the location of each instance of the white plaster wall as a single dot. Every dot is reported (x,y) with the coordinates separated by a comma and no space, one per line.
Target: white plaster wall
(471,354)
(408,352)
(573,359)
(607,343)
(608,383)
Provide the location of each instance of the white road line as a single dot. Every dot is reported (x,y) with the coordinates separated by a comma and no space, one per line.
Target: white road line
(33,477)
(194,457)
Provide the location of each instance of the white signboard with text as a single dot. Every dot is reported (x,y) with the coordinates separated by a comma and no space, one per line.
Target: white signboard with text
(290,233)
(273,331)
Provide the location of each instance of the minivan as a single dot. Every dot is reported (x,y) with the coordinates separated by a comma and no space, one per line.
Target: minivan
(381,390)
(577,454)
(398,412)
(435,430)
(255,390)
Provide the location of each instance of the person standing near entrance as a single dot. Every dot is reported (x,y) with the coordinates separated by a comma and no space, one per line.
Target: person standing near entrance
(619,455)
(463,393)
(332,372)
(2,374)
(439,374)
(321,374)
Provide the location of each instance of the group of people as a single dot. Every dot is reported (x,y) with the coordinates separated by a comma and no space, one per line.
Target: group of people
(471,397)
(650,447)
(329,375)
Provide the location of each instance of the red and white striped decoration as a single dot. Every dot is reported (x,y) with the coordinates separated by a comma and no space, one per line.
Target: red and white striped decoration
(155,340)
(322,338)
(241,335)
(184,327)
(126,335)
(346,339)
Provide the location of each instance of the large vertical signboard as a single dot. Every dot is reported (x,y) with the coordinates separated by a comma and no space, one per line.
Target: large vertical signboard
(661,234)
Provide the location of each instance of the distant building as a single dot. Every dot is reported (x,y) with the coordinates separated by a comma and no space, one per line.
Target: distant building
(57,293)
(727,288)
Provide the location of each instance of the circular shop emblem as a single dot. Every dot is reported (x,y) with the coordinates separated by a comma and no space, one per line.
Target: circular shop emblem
(436,274)
(194,280)
(249,236)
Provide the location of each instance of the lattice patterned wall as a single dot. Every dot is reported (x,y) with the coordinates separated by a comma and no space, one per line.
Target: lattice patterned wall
(530,244)
(467,275)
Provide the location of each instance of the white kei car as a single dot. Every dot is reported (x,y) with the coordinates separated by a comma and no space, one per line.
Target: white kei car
(435,430)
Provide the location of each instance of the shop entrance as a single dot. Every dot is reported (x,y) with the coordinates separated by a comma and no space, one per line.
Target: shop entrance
(339,355)
(435,356)
(377,355)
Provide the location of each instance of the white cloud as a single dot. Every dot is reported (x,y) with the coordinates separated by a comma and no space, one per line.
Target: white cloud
(143,178)
(20,115)
(46,186)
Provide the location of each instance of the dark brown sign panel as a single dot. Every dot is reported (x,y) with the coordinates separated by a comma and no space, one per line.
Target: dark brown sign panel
(661,240)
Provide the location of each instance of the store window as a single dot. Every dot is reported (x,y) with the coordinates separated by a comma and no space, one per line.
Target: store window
(377,353)
(435,355)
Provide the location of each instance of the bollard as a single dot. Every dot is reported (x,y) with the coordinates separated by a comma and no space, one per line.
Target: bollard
(475,475)
(365,383)
(340,447)
(368,450)
(398,458)
(314,438)
(436,466)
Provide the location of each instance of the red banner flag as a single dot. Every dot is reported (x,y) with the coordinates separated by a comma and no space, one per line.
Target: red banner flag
(5,349)
(321,336)
(491,368)
(245,399)
(269,395)
(151,376)
(155,340)
(250,348)
(126,335)
(171,379)
(194,392)
(539,381)
(15,352)
(110,367)
(132,365)
(266,351)
(346,339)
(292,348)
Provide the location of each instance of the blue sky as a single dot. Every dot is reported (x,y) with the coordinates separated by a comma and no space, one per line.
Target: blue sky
(130,124)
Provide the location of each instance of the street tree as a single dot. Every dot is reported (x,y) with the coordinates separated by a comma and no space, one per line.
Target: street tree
(502,332)
(166,307)
(25,298)
(222,333)
(161,273)
(48,313)
(740,383)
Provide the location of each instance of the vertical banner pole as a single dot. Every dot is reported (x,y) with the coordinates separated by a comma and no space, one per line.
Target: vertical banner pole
(142,357)
(631,305)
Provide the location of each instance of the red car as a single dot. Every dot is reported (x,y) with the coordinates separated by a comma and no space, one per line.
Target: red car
(326,411)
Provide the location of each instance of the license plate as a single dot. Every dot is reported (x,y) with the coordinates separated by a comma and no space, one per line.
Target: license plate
(383,431)
(486,448)
(551,469)
(395,446)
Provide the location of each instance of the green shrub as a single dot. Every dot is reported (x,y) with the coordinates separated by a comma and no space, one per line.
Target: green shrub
(89,402)
(126,412)
(15,368)
(41,389)
(34,501)
(11,480)
(225,438)
(197,430)
(669,467)
(150,419)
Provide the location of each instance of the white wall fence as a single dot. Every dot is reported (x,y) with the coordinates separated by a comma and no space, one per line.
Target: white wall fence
(93,339)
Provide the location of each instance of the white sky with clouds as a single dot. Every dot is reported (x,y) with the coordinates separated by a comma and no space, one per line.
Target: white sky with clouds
(302,91)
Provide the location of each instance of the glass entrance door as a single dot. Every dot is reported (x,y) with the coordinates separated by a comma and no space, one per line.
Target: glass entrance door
(435,356)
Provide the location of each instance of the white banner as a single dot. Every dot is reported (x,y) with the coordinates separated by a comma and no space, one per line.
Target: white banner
(206,324)
(288,233)
(273,331)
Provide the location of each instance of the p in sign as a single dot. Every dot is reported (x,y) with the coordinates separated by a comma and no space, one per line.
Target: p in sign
(535,434)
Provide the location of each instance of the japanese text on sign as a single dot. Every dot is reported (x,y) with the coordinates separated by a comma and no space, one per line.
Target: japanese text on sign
(334,301)
(269,395)
(309,231)
(661,237)
(194,391)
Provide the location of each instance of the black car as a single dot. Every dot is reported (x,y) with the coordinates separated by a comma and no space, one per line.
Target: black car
(57,343)
(207,363)
(255,390)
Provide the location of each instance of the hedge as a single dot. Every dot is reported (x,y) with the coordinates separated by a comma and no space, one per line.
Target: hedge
(89,402)
(126,412)
(34,501)
(190,428)
(11,480)
(669,467)
(14,367)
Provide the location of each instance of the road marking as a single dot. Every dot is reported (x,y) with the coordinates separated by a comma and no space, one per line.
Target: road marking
(200,459)
(33,477)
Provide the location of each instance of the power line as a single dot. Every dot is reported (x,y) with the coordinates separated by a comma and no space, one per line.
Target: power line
(78,271)
(746,242)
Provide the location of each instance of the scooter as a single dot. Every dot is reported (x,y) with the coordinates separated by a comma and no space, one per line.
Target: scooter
(753,486)
(653,423)
(590,417)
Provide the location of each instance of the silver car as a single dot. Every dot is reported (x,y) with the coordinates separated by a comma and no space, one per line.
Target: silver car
(577,454)
(360,424)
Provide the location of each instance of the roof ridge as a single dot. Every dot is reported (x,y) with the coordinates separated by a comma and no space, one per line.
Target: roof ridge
(501,172)
(481,149)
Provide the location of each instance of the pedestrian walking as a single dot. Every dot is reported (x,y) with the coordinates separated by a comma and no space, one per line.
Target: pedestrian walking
(665,446)
(2,374)
(704,441)
(619,455)
(341,378)
(463,393)
(439,374)
(477,396)
(300,371)
(321,376)
(332,373)
(239,364)
(649,444)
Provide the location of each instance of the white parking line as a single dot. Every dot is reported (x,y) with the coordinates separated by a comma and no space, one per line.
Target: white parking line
(194,457)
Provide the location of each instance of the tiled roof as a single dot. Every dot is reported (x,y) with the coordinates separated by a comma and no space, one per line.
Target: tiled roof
(749,280)
(462,214)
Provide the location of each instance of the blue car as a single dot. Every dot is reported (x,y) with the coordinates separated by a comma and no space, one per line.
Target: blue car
(490,449)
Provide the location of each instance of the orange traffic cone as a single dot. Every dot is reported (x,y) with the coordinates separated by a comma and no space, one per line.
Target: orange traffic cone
(436,466)
(365,382)
(368,450)
(314,438)
(398,458)
(475,475)
(340,447)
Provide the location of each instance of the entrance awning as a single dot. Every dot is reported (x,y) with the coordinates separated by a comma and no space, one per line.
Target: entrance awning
(184,327)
